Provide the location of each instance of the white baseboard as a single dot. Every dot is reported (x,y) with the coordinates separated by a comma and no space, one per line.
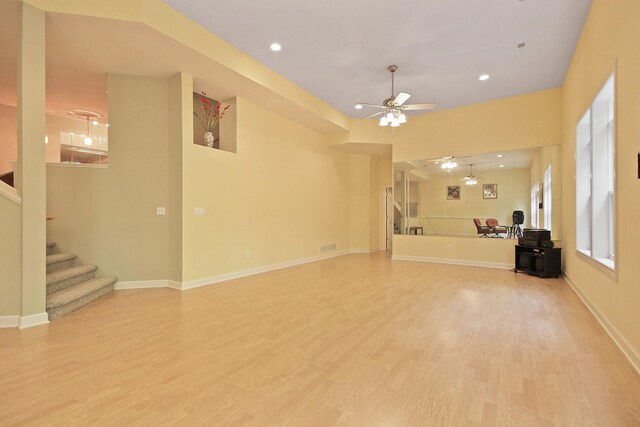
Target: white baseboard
(252,271)
(471,263)
(618,339)
(33,320)
(173,284)
(364,251)
(142,284)
(9,321)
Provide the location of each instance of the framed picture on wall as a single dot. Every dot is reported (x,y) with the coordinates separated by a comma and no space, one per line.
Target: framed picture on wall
(489,191)
(453,192)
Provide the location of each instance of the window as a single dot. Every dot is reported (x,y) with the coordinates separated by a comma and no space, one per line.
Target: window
(534,205)
(546,194)
(595,180)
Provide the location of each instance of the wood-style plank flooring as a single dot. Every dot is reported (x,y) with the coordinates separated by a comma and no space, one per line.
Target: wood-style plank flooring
(357,340)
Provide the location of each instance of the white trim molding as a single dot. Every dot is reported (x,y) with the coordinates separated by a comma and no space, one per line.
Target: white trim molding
(174,284)
(9,321)
(470,263)
(364,251)
(142,284)
(183,286)
(10,193)
(33,320)
(630,353)
(252,271)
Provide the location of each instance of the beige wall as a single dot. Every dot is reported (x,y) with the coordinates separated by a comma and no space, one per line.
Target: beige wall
(30,179)
(180,138)
(525,121)
(10,254)
(609,41)
(441,216)
(8,138)
(108,216)
(360,171)
(488,252)
(368,178)
(544,157)
(279,198)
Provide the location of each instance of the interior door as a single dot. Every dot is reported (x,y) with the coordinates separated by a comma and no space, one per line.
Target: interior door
(389,217)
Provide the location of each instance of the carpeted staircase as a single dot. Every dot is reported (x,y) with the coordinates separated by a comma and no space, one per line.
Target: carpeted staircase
(70,287)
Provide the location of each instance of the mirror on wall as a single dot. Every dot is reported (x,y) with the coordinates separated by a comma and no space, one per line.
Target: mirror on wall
(455,196)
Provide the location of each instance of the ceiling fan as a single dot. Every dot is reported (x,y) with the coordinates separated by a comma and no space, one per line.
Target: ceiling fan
(448,162)
(471,178)
(393,107)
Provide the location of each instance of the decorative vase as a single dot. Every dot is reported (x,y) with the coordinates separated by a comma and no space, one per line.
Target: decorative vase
(208,139)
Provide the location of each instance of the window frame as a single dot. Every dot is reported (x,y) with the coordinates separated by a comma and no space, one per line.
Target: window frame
(596,138)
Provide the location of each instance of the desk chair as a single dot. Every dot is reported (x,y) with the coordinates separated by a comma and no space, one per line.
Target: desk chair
(496,228)
(482,229)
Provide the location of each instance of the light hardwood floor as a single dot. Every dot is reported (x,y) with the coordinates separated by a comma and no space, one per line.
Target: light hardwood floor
(358,340)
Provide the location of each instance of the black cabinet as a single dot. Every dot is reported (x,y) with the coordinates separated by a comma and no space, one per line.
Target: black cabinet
(539,261)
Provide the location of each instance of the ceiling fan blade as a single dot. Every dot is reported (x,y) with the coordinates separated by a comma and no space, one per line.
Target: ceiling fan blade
(364,104)
(401,98)
(419,107)
(373,115)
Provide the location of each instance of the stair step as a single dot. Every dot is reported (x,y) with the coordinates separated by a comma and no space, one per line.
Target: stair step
(50,246)
(59,262)
(63,279)
(74,297)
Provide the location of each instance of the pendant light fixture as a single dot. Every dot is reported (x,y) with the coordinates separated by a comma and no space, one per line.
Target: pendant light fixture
(88,116)
(87,138)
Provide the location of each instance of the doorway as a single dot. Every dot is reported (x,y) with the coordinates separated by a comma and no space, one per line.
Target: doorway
(388,217)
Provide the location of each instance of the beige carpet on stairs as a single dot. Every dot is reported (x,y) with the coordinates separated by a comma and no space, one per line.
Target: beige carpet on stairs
(70,287)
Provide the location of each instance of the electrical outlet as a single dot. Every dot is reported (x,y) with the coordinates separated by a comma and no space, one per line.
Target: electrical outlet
(199,211)
(161,210)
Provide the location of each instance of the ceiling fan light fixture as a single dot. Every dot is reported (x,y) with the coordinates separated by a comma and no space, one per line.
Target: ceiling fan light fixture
(389,116)
(395,123)
(471,181)
(402,118)
(448,165)
(383,121)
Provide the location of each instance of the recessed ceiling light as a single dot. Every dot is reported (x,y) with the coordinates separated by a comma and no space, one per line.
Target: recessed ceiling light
(437,163)
(484,77)
(95,123)
(499,155)
(358,106)
(501,166)
(276,47)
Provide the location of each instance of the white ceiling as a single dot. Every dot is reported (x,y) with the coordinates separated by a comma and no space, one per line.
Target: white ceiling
(339,50)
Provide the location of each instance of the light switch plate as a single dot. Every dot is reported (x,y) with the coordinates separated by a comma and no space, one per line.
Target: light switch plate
(161,210)
(199,211)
